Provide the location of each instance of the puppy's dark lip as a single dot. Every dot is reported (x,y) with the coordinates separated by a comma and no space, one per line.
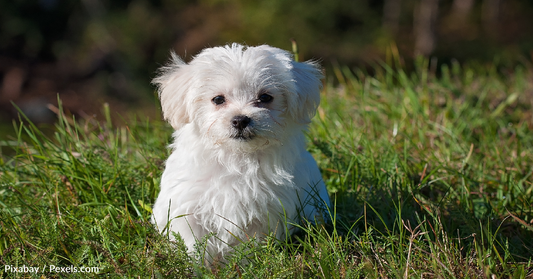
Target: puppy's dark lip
(242,138)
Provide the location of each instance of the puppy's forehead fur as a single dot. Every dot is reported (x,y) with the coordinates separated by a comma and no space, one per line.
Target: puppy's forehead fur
(252,68)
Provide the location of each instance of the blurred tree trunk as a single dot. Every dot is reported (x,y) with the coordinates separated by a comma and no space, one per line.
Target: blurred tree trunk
(491,11)
(462,9)
(391,15)
(12,84)
(425,18)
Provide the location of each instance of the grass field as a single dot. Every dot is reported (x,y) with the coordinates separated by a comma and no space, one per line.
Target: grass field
(431,177)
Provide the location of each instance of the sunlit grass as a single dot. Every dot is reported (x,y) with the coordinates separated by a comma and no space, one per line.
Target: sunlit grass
(431,177)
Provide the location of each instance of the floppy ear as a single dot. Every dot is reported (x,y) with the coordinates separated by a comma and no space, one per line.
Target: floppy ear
(173,82)
(307,80)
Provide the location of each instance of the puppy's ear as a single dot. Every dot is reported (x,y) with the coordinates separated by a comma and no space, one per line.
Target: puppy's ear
(307,81)
(173,82)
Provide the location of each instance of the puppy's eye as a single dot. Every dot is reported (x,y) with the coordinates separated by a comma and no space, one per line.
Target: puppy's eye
(219,100)
(265,98)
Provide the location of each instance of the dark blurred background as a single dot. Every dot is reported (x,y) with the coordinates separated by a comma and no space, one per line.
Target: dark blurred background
(91,52)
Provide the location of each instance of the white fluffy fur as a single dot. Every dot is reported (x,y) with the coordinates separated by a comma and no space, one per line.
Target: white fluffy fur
(238,188)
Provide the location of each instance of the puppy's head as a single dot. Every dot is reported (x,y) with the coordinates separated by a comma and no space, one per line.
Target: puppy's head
(240,97)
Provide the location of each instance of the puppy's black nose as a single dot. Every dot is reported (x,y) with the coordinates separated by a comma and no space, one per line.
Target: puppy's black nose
(240,122)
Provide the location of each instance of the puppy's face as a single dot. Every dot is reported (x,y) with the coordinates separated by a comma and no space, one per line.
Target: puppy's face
(243,103)
(240,98)
(242,114)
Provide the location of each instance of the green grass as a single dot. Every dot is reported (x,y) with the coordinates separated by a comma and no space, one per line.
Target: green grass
(432,177)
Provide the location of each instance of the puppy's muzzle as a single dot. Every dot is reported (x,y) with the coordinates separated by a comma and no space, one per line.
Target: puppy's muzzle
(241,124)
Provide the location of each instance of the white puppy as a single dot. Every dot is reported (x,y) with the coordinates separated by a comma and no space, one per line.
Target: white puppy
(239,167)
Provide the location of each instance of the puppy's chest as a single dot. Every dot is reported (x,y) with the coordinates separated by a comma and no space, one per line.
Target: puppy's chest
(245,188)
(237,200)
(240,185)
(241,174)
(237,184)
